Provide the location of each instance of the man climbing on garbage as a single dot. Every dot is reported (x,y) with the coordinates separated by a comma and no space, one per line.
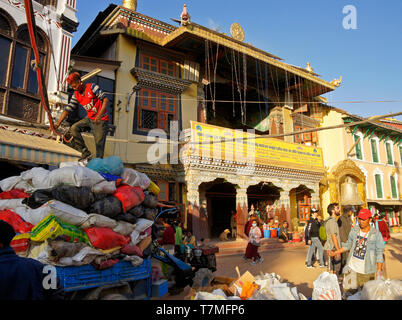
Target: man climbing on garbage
(366,250)
(22,278)
(94,101)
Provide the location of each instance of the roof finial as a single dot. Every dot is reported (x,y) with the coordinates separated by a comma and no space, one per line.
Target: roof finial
(185,16)
(130,4)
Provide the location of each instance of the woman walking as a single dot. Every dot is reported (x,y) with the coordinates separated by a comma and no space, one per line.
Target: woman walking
(254,243)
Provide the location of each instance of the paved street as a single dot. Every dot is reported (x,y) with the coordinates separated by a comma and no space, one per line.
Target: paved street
(289,264)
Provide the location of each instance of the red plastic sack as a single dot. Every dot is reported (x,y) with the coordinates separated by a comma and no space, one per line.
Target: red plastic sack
(14,194)
(106,238)
(131,250)
(129,196)
(274,233)
(13,219)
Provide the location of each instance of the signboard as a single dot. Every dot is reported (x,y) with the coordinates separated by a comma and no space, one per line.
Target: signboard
(236,146)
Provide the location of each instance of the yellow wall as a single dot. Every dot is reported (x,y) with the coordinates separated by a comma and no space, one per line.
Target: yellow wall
(370,168)
(332,143)
(124,143)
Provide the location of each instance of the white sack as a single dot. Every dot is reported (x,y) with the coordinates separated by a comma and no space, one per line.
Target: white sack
(326,287)
(135,178)
(108,187)
(9,183)
(143,224)
(67,213)
(99,221)
(34,216)
(124,228)
(74,176)
(382,290)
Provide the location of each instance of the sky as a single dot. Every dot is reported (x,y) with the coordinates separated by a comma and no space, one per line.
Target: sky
(367,53)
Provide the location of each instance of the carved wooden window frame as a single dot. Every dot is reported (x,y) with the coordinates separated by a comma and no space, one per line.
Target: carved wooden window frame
(6,88)
(145,103)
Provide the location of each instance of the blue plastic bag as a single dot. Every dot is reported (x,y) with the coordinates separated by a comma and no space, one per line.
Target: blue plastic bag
(110,177)
(112,165)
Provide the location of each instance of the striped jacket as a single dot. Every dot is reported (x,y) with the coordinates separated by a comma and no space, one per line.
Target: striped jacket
(91,100)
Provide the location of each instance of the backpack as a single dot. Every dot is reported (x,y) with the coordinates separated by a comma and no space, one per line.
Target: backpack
(322,232)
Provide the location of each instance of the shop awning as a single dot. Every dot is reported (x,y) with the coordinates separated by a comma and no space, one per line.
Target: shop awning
(26,148)
(386,202)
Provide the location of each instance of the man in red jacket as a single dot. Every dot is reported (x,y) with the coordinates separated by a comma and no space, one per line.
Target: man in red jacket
(382,226)
(94,101)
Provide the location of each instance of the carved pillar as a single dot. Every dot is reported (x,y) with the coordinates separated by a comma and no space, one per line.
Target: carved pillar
(242,210)
(193,209)
(315,197)
(284,208)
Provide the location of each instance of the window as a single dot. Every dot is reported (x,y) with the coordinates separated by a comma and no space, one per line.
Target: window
(164,191)
(374,150)
(388,147)
(400,155)
(156,110)
(358,148)
(306,138)
(378,184)
(393,187)
(19,92)
(158,65)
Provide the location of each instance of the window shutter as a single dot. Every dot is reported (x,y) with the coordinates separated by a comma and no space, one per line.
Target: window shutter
(358,148)
(389,153)
(378,186)
(374,150)
(393,187)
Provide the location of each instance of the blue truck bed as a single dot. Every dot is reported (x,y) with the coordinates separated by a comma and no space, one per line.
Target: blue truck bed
(86,277)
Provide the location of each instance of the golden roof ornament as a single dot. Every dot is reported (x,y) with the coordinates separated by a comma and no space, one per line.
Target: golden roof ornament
(309,68)
(237,32)
(337,82)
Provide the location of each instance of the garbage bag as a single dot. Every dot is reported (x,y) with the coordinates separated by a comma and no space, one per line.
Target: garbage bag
(37,178)
(150,214)
(71,164)
(326,287)
(67,213)
(129,196)
(38,198)
(109,207)
(150,200)
(143,224)
(111,165)
(349,278)
(135,179)
(9,183)
(382,290)
(14,194)
(74,176)
(33,216)
(21,243)
(105,238)
(124,228)
(61,249)
(131,250)
(106,187)
(97,220)
(78,197)
(137,211)
(12,204)
(110,177)
(126,217)
(13,219)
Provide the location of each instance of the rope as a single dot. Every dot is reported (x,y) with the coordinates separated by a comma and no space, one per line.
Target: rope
(41,83)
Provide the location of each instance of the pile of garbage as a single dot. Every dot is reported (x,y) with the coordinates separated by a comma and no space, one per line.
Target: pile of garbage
(97,214)
(268,286)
